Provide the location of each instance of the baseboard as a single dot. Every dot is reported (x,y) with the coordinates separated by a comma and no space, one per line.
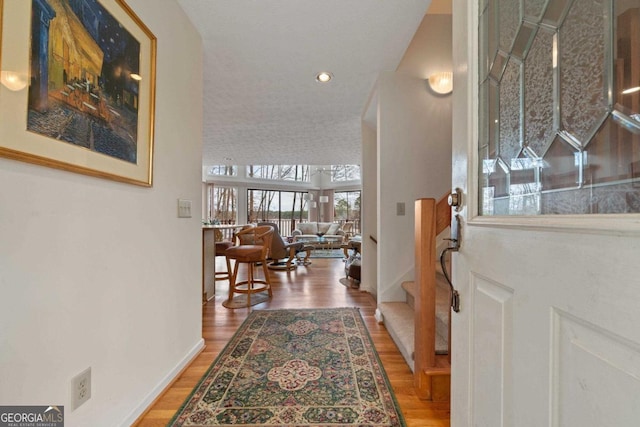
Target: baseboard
(133,417)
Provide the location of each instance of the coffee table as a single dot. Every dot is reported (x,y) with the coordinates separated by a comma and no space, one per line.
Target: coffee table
(314,244)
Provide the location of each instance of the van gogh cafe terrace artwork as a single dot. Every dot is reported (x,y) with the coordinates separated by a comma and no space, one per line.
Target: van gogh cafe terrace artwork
(85,88)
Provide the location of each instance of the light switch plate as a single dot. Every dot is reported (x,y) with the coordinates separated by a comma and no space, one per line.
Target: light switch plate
(400,209)
(184,208)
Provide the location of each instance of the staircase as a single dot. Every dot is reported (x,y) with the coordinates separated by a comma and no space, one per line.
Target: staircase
(420,325)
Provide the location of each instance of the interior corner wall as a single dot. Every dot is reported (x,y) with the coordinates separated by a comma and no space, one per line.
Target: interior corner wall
(368,211)
(414,150)
(96,273)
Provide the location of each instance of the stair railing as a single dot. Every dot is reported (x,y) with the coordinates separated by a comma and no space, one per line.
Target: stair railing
(431,218)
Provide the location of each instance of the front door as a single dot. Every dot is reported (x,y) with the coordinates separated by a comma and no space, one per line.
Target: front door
(546,148)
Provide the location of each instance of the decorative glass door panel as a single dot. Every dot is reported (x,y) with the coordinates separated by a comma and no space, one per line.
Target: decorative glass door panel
(559,99)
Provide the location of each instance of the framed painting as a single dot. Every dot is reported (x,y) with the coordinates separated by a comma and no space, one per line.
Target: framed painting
(77,88)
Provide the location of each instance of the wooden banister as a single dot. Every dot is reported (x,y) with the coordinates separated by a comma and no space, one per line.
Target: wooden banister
(425,308)
(431,218)
(443,214)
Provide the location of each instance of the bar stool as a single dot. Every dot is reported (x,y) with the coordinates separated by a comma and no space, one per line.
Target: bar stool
(253,248)
(221,249)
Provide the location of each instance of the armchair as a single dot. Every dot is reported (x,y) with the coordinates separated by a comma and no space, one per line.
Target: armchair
(281,249)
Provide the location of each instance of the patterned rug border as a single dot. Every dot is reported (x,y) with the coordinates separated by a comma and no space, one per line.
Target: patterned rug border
(245,324)
(330,253)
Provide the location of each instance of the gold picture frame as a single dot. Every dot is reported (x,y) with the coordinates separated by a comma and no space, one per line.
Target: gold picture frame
(78,87)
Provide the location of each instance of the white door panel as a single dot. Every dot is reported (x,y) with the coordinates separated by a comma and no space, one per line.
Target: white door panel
(491,322)
(520,306)
(596,375)
(549,328)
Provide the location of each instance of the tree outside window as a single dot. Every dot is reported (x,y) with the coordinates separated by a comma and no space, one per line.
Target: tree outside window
(285,208)
(298,173)
(342,173)
(222,204)
(346,207)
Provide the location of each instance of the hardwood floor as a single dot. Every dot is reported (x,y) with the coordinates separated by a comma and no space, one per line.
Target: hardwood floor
(313,286)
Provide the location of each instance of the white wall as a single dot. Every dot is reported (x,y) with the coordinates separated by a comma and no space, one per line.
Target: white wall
(414,149)
(103,274)
(369,212)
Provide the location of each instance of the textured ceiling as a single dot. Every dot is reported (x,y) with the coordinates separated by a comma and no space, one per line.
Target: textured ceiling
(262,104)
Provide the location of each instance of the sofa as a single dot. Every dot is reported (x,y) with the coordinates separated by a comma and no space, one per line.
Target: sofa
(330,230)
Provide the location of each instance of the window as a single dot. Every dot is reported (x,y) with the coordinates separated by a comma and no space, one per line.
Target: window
(294,173)
(346,208)
(262,171)
(222,204)
(559,107)
(285,208)
(299,173)
(340,173)
(223,170)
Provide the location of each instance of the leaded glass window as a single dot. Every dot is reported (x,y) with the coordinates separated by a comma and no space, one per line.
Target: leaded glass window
(559,107)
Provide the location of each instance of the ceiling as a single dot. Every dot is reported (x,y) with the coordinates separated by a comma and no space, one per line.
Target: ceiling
(262,104)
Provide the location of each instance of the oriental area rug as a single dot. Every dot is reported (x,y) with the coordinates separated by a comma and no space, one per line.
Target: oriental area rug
(314,367)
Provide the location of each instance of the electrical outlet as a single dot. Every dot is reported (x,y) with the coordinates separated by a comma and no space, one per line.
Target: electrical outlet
(80,388)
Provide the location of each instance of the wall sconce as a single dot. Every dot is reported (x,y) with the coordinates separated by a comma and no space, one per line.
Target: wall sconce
(13,80)
(441,83)
(323,199)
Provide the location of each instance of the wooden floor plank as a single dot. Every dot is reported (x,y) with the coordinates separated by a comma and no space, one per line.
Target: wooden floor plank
(313,286)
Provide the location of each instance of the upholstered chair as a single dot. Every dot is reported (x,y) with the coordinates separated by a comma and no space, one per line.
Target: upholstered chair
(281,250)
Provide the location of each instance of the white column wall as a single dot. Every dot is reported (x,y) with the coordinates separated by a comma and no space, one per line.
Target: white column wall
(414,149)
(368,210)
(96,273)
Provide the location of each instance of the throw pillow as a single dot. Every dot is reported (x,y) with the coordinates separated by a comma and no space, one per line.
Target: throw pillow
(323,227)
(333,228)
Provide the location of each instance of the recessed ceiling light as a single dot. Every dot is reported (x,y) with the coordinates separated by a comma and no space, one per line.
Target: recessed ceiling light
(324,76)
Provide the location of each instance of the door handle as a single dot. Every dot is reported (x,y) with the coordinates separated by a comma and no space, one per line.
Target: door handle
(455,239)
(455,199)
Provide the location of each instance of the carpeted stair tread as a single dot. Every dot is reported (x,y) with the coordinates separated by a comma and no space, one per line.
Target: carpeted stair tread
(398,318)
(442,307)
(409,287)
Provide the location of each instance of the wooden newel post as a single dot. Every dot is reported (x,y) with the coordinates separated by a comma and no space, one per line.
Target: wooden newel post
(425,307)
